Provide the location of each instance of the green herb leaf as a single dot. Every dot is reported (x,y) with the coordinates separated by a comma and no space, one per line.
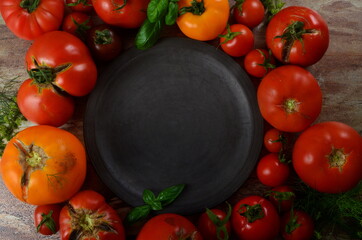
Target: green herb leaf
(150,199)
(137,214)
(172,13)
(170,194)
(272,7)
(148,34)
(156,10)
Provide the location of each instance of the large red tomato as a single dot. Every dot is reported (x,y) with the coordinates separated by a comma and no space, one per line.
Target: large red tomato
(122,13)
(327,157)
(88,216)
(289,98)
(169,226)
(297,35)
(29,19)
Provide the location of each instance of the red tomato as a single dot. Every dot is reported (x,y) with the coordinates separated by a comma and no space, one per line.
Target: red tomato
(271,171)
(255,218)
(43,104)
(275,140)
(259,62)
(122,13)
(327,157)
(77,23)
(215,227)
(46,218)
(289,98)
(80,5)
(282,198)
(249,12)
(88,216)
(297,35)
(30,19)
(61,59)
(237,40)
(296,225)
(169,226)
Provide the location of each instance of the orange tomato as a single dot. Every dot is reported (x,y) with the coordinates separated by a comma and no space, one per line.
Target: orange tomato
(203,20)
(43,165)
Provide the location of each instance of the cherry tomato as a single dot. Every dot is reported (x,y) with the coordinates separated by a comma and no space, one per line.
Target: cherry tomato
(46,218)
(272,171)
(43,165)
(282,197)
(297,35)
(80,5)
(249,12)
(259,62)
(104,42)
(274,140)
(289,98)
(205,20)
(32,18)
(327,157)
(77,23)
(255,218)
(237,40)
(168,226)
(88,216)
(297,225)
(122,13)
(214,224)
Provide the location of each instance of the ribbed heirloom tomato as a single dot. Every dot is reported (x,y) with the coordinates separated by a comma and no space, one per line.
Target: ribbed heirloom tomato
(43,165)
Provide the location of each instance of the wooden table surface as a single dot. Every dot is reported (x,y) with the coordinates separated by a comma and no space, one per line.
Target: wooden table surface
(339,74)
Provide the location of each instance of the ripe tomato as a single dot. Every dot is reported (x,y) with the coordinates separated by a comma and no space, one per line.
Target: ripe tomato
(296,225)
(327,156)
(275,140)
(256,218)
(88,216)
(30,19)
(43,165)
(43,104)
(297,35)
(169,226)
(272,171)
(203,20)
(249,12)
(282,198)
(46,218)
(80,5)
(63,60)
(122,13)
(259,62)
(289,98)
(104,42)
(237,40)
(77,23)
(214,224)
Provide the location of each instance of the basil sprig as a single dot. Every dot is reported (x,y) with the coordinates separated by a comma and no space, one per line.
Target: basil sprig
(154,203)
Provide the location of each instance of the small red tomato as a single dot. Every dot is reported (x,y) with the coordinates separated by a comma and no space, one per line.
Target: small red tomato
(80,5)
(282,197)
(272,171)
(214,224)
(249,12)
(77,23)
(296,225)
(237,40)
(255,218)
(274,140)
(259,62)
(46,218)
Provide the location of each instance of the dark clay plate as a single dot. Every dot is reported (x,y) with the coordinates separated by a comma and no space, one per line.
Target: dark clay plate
(181,112)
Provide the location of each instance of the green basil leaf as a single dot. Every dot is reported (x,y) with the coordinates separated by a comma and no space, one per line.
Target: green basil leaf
(156,10)
(170,194)
(172,13)
(137,214)
(150,199)
(148,34)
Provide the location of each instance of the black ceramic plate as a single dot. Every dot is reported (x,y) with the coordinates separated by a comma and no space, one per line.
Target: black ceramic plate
(180,112)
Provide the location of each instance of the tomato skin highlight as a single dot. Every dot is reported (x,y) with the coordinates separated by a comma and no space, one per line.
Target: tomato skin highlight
(327,157)
(251,15)
(271,172)
(240,44)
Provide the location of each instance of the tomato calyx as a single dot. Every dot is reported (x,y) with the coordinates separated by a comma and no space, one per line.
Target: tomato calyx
(48,221)
(119,7)
(293,32)
(103,37)
(251,213)
(44,75)
(267,64)
(196,8)
(82,28)
(292,223)
(229,35)
(337,158)
(238,5)
(291,105)
(29,5)
(220,224)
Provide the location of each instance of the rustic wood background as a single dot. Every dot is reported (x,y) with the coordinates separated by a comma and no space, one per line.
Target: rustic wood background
(339,74)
